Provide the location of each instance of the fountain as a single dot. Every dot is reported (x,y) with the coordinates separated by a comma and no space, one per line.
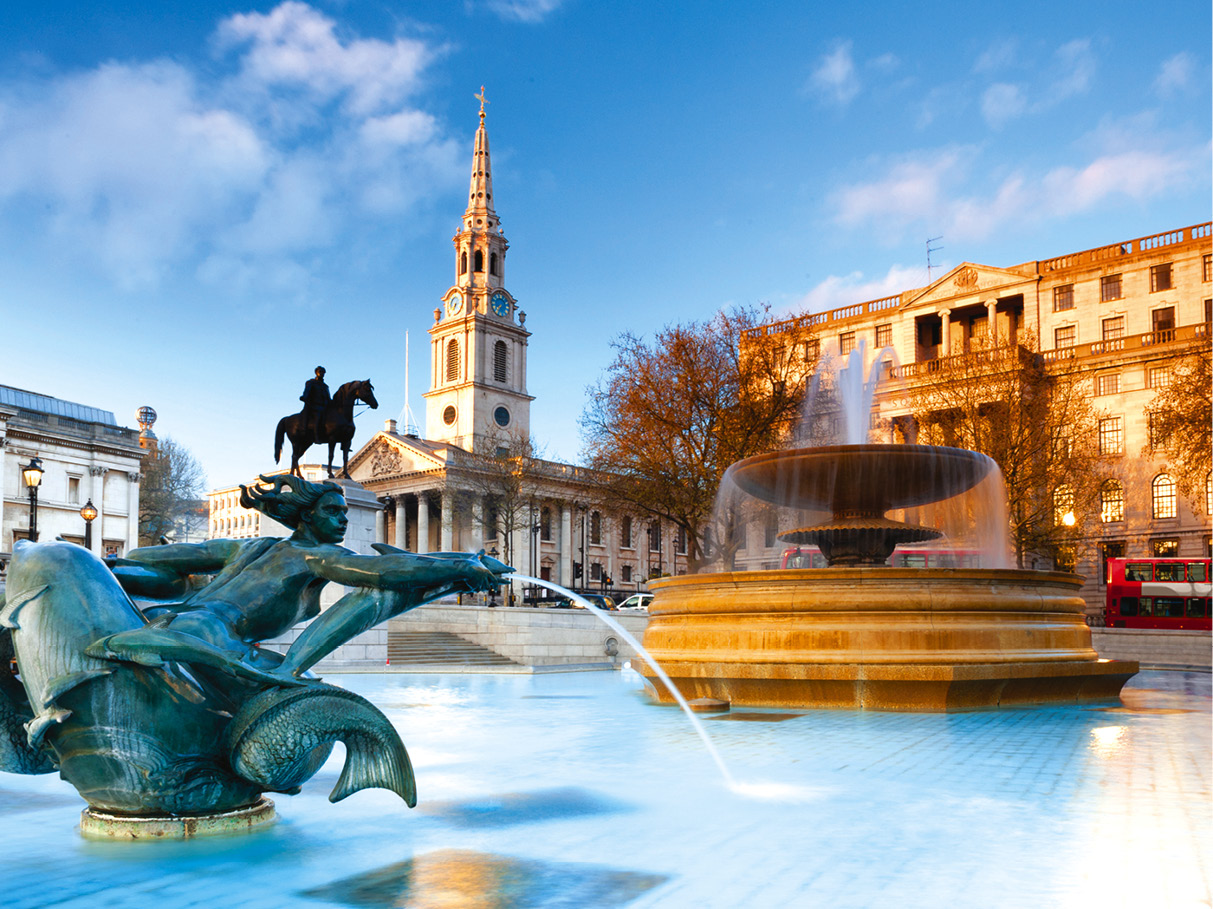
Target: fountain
(859,634)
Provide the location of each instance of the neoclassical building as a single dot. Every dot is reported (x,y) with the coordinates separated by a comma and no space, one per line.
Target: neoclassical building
(86,456)
(1121,316)
(471,481)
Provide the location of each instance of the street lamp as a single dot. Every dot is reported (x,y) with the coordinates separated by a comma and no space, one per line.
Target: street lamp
(32,472)
(89,513)
(493,590)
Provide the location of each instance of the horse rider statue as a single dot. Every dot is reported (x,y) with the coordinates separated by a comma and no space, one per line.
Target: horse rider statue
(315,399)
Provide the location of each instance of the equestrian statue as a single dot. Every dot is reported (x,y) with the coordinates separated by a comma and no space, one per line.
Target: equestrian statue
(323,420)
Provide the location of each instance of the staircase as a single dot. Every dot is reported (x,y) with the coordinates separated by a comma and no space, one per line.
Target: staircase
(439,648)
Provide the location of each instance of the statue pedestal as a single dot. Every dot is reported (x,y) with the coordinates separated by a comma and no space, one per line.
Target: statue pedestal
(97,824)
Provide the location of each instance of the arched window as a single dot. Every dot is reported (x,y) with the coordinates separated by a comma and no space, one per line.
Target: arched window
(501,359)
(1111,502)
(596,528)
(452,360)
(492,263)
(545,524)
(625,532)
(1163,489)
(479,260)
(463,263)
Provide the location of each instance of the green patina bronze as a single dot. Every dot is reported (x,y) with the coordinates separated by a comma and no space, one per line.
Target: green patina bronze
(154,699)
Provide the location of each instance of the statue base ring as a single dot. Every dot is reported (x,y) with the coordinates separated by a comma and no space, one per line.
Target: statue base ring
(97,824)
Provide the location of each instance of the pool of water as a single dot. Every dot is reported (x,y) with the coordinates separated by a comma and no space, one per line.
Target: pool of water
(572,790)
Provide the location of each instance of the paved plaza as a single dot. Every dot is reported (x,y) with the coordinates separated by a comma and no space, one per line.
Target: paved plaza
(572,790)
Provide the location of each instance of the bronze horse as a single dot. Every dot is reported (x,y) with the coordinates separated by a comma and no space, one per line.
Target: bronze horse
(336,428)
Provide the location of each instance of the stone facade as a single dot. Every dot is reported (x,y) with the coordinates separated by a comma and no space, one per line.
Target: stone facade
(1122,315)
(86,456)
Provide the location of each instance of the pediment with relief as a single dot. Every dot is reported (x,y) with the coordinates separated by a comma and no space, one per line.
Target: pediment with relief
(387,457)
(970,283)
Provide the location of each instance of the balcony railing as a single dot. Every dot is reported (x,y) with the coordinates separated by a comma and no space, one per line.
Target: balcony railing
(1183,335)
(959,362)
(1128,248)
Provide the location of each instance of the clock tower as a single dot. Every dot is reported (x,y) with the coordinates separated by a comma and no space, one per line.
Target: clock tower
(477,398)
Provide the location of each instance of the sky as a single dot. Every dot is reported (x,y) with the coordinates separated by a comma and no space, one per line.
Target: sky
(201,200)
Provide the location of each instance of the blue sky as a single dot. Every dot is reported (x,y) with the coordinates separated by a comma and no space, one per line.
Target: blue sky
(200,201)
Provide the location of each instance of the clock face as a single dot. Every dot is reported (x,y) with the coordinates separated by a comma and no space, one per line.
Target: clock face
(453,305)
(501,304)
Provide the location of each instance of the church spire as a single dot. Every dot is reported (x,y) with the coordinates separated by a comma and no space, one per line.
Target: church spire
(480,213)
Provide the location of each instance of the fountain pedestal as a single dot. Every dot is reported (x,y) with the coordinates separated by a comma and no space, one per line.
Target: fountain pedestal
(878,638)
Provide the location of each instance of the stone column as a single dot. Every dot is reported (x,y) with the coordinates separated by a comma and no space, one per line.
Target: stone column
(447,529)
(565,572)
(991,325)
(946,333)
(381,521)
(402,524)
(97,494)
(132,515)
(423,525)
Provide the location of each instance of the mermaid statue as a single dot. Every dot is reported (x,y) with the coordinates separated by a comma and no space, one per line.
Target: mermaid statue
(141,680)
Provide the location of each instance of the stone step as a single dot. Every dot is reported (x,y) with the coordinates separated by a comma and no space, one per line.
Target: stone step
(440,647)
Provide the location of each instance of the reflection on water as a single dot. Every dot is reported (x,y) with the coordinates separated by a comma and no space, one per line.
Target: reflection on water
(461,879)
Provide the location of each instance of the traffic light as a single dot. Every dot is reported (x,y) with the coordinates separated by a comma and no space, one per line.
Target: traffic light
(607,582)
(576,569)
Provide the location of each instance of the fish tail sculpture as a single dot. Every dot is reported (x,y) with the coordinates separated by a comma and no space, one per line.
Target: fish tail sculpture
(281,737)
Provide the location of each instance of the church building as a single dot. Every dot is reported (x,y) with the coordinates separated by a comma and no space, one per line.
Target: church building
(473,481)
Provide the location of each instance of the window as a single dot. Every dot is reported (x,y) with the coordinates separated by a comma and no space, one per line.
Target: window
(1111,502)
(1107,384)
(452,360)
(625,533)
(846,342)
(490,520)
(1063,506)
(770,530)
(1113,328)
(627,574)
(448,414)
(463,263)
(884,336)
(1206,267)
(1163,494)
(680,541)
(1063,298)
(492,263)
(654,538)
(596,571)
(812,350)
(1209,494)
(1158,376)
(500,361)
(1111,437)
(1160,277)
(596,528)
(1164,319)
(73,490)
(1156,429)
(502,416)
(1109,288)
(545,524)
(1166,548)
(1064,336)
(479,266)
(1112,549)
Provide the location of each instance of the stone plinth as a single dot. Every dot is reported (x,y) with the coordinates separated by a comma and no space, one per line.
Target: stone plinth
(878,638)
(97,824)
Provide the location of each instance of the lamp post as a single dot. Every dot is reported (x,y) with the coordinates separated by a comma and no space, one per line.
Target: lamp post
(493,591)
(32,473)
(89,513)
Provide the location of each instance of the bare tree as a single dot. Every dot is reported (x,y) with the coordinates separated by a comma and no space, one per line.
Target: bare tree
(1180,419)
(170,493)
(669,416)
(1036,421)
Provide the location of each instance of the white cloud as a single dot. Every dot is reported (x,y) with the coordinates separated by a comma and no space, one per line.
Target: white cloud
(295,46)
(1075,66)
(529,11)
(909,190)
(845,290)
(999,55)
(1001,103)
(138,168)
(1175,74)
(835,79)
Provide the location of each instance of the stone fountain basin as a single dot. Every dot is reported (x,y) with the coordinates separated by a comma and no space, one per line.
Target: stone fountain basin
(863,479)
(883,638)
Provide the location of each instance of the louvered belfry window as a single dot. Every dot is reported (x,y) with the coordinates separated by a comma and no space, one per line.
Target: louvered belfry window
(452,360)
(500,361)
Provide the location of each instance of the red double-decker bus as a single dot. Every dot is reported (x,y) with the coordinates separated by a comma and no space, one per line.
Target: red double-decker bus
(1158,593)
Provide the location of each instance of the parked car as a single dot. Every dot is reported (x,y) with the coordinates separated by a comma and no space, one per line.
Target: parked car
(637,602)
